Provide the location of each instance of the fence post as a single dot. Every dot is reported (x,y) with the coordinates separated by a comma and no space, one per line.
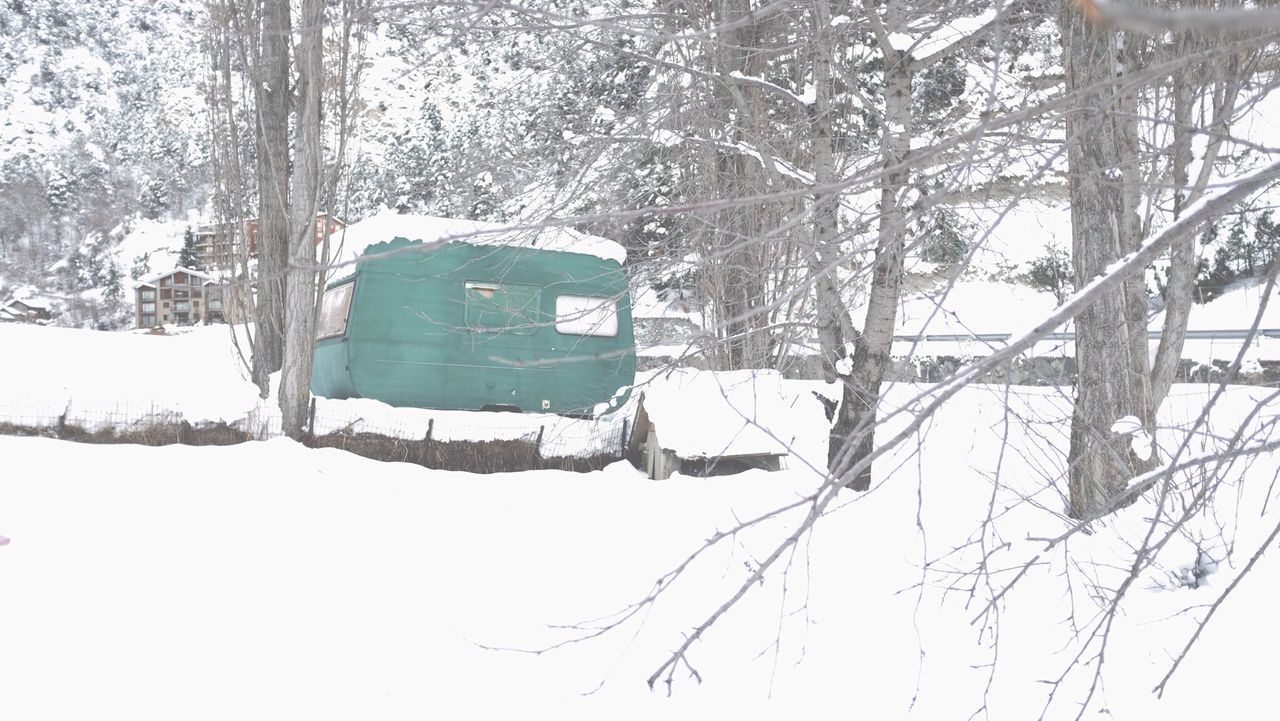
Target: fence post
(623,444)
(538,443)
(426,445)
(311,421)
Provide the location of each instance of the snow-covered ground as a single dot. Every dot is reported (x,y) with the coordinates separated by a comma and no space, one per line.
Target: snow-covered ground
(980,307)
(268,580)
(97,380)
(972,307)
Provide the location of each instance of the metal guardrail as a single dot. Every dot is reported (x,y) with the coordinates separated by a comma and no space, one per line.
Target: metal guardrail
(1232,334)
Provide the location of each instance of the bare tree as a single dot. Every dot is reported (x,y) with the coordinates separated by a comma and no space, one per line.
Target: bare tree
(287,88)
(853,436)
(1111,335)
(307,184)
(1110,180)
(1214,88)
(272,81)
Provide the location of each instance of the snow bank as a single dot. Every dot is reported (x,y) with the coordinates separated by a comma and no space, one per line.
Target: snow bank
(704,414)
(99,379)
(1235,310)
(122,380)
(560,436)
(974,307)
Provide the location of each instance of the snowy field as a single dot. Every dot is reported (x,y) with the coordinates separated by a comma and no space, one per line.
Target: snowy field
(268,580)
(984,309)
(98,380)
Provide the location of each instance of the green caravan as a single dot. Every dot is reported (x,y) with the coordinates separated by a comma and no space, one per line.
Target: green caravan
(487,322)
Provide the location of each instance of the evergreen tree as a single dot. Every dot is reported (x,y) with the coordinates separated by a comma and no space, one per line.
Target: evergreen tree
(1051,272)
(1266,234)
(114,289)
(187,257)
(945,237)
(141,266)
(1213,279)
(155,199)
(1247,252)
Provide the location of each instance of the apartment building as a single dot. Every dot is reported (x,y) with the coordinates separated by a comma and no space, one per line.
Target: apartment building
(182,295)
(218,249)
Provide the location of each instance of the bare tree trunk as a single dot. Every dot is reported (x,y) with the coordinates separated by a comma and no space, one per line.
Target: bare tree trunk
(823,258)
(1187,85)
(272,235)
(1182,263)
(1111,343)
(856,424)
(740,231)
(308,167)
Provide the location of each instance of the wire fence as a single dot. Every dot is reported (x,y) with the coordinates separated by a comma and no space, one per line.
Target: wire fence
(454,440)
(552,436)
(92,416)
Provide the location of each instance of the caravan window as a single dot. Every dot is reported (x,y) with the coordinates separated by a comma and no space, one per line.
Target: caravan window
(583,315)
(502,307)
(333,311)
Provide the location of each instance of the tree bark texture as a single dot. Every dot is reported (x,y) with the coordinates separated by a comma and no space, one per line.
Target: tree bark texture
(308,167)
(1111,335)
(1182,257)
(271,238)
(853,436)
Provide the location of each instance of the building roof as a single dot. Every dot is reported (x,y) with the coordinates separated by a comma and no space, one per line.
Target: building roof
(154,279)
(32,302)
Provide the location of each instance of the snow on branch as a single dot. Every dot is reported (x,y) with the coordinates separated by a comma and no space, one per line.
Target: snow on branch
(952,36)
(782,166)
(803,101)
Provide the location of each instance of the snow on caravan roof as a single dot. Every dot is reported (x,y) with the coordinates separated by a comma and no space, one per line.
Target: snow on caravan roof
(355,238)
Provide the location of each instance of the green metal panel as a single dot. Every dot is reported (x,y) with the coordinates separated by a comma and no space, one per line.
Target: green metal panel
(503,307)
(459,326)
